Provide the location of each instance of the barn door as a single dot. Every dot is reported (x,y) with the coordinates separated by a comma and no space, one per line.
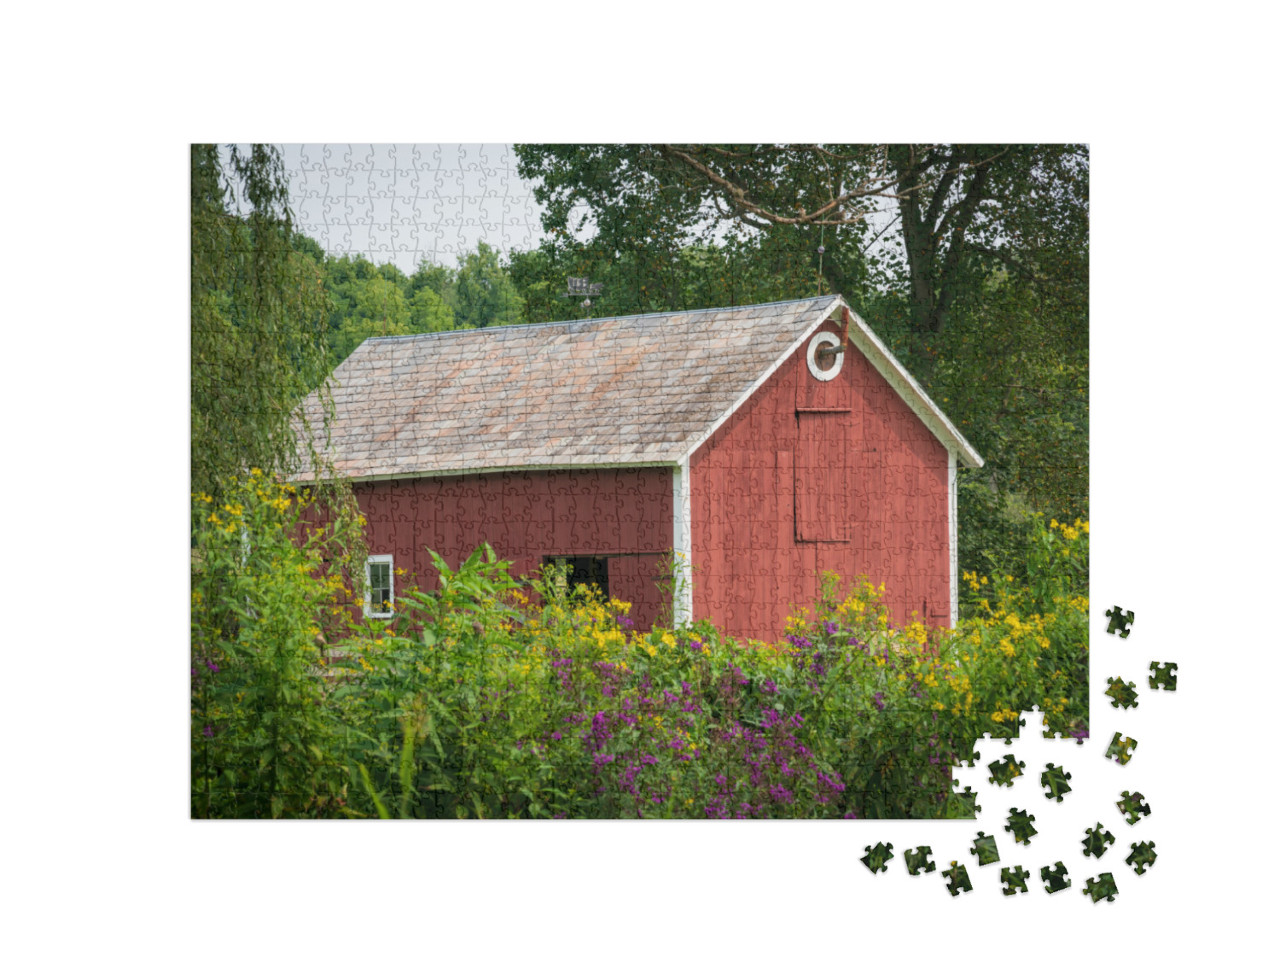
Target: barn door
(821,477)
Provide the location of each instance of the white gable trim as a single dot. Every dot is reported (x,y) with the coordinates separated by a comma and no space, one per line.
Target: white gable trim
(755,385)
(682,545)
(953,533)
(909,390)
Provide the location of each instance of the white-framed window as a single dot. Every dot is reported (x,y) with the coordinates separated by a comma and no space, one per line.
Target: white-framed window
(379,591)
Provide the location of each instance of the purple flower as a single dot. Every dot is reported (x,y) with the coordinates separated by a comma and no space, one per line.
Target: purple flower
(768,687)
(212,665)
(208,732)
(829,627)
(556,736)
(878,699)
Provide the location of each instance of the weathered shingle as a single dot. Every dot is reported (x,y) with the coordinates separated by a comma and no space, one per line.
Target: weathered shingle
(637,389)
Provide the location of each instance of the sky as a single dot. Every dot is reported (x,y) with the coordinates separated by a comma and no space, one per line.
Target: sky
(407,202)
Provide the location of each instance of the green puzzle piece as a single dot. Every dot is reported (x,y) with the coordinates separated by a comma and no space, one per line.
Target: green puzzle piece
(876,858)
(1015,879)
(1096,841)
(1019,823)
(1122,694)
(1133,806)
(1055,780)
(1121,749)
(1103,886)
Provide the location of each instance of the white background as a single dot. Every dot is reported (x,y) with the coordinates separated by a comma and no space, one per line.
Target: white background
(101,104)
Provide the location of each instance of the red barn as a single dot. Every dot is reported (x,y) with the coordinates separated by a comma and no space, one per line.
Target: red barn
(763,443)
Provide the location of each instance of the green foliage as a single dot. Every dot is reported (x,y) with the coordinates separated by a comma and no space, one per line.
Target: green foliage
(257,310)
(266,739)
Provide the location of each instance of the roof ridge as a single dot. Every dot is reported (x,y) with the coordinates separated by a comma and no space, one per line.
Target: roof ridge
(613,317)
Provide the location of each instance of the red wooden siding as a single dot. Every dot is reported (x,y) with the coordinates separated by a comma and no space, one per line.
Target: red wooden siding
(623,513)
(810,476)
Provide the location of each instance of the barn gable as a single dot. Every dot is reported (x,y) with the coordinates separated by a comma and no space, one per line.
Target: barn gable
(583,408)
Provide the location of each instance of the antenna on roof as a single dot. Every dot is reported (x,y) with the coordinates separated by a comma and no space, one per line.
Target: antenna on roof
(583,288)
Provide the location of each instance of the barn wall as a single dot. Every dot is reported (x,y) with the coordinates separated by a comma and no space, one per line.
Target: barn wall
(622,513)
(780,455)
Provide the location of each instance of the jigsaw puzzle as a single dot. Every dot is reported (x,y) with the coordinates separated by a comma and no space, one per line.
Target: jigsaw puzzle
(1162,676)
(1055,781)
(1104,887)
(1054,879)
(1015,879)
(1096,841)
(1141,856)
(957,879)
(1133,806)
(984,847)
(1122,694)
(877,857)
(1119,621)
(1019,824)
(1004,772)
(918,860)
(1121,749)
(696,432)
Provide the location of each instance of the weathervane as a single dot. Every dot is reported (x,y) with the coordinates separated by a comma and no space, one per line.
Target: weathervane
(583,288)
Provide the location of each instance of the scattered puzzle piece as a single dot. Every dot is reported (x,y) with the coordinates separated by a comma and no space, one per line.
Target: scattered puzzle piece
(1015,879)
(876,858)
(1120,622)
(1096,841)
(1005,772)
(1141,856)
(1133,806)
(1121,748)
(918,860)
(1055,879)
(1055,780)
(1163,676)
(959,878)
(1019,823)
(1103,886)
(1123,695)
(984,847)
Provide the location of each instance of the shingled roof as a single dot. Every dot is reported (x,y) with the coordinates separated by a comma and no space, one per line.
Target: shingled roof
(639,390)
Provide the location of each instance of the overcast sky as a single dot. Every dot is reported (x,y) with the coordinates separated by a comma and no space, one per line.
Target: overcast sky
(405,202)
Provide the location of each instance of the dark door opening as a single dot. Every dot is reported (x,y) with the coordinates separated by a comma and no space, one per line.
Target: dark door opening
(582,570)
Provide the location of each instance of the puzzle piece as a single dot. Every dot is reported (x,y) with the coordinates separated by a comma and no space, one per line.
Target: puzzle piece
(1122,693)
(1007,730)
(1103,887)
(1141,856)
(1133,806)
(1015,879)
(1055,879)
(1055,780)
(1120,622)
(1096,841)
(959,879)
(876,858)
(1163,677)
(918,860)
(984,847)
(967,800)
(1121,749)
(1005,772)
(1019,823)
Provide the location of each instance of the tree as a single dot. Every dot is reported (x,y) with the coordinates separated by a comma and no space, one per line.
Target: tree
(258,340)
(483,292)
(950,200)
